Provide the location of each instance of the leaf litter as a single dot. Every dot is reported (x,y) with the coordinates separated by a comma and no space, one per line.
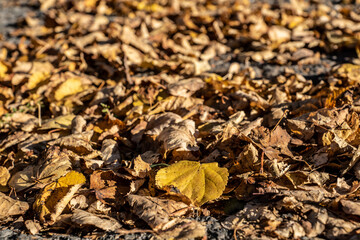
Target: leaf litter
(181,119)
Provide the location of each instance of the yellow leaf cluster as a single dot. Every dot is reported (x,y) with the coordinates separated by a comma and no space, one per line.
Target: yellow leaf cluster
(199,182)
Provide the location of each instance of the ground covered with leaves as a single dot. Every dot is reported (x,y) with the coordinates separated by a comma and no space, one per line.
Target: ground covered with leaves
(182,119)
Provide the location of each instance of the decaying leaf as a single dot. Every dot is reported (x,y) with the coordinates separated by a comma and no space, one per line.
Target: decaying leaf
(103,222)
(186,87)
(179,137)
(79,143)
(158,122)
(69,87)
(110,154)
(4,176)
(199,182)
(108,186)
(23,179)
(10,206)
(55,196)
(182,229)
(155,212)
(60,122)
(140,168)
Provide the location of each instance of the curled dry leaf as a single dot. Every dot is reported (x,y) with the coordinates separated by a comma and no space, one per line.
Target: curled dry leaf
(350,207)
(55,196)
(78,124)
(182,229)
(56,164)
(61,122)
(248,160)
(10,206)
(186,87)
(79,143)
(156,123)
(199,182)
(4,176)
(32,226)
(140,168)
(103,222)
(110,154)
(154,211)
(179,137)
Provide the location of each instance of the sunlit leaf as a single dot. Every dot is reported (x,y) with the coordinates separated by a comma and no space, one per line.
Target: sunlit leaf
(51,199)
(70,87)
(199,182)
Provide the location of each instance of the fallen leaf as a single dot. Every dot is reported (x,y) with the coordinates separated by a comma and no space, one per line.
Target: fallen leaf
(4,176)
(179,137)
(70,87)
(154,211)
(186,87)
(199,182)
(103,222)
(55,196)
(10,207)
(61,122)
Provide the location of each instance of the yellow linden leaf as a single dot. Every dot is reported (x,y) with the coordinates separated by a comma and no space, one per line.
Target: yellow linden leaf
(199,182)
(47,202)
(70,87)
(37,78)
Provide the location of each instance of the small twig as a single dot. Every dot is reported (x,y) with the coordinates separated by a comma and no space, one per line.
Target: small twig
(127,70)
(262,162)
(39,113)
(277,124)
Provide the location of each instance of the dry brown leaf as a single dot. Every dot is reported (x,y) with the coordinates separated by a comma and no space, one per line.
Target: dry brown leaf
(61,122)
(110,154)
(103,222)
(139,168)
(10,206)
(174,103)
(79,143)
(108,186)
(156,123)
(182,229)
(154,211)
(4,176)
(350,207)
(32,226)
(55,196)
(179,137)
(186,87)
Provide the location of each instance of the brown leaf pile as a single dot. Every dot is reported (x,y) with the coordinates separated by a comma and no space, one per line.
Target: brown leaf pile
(96,96)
